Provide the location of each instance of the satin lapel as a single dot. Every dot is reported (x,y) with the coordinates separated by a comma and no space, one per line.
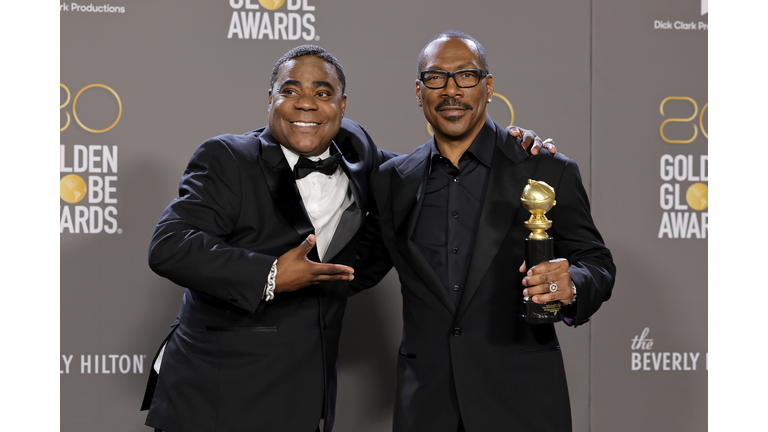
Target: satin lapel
(510,170)
(282,186)
(350,223)
(407,194)
(354,167)
(353,216)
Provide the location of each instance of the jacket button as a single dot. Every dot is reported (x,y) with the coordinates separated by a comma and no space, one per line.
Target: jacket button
(457,331)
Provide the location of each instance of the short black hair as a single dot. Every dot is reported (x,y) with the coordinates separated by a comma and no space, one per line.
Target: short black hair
(454,34)
(313,50)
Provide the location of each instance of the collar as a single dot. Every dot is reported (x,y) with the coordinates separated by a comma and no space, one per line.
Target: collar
(293,158)
(482,146)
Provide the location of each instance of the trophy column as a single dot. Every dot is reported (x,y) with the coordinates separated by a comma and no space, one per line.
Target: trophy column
(538,198)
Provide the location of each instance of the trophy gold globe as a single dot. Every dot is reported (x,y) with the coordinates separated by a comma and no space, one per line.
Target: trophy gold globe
(538,198)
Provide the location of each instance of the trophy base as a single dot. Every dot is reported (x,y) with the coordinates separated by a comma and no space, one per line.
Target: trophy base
(538,251)
(541,313)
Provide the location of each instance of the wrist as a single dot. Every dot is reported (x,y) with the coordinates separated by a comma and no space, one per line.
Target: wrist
(573,291)
(269,288)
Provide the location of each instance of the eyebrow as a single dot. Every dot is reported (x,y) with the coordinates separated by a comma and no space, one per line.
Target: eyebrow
(315,84)
(290,82)
(467,65)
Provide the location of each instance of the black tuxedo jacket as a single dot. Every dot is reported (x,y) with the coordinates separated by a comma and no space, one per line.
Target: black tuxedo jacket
(232,361)
(477,361)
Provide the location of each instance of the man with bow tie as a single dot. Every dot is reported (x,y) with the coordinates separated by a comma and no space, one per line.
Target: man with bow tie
(259,219)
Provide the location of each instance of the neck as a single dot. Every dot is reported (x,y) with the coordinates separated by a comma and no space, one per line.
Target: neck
(452,147)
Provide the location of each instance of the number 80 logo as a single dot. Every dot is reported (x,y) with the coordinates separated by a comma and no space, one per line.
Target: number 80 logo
(684,120)
(74,108)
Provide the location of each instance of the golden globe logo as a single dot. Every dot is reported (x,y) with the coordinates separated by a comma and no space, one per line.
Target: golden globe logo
(73,188)
(677,201)
(683,195)
(697,196)
(250,22)
(88,186)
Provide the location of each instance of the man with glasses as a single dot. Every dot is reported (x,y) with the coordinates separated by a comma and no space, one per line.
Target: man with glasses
(452,223)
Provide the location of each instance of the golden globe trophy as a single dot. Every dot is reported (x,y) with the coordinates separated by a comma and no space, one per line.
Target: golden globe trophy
(538,198)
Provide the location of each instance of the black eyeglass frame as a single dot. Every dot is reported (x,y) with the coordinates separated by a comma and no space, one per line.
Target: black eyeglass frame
(481,74)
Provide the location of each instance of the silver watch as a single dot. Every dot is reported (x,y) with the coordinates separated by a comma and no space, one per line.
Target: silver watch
(573,290)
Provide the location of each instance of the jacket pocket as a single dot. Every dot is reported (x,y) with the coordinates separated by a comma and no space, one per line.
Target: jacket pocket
(407,355)
(241,329)
(537,350)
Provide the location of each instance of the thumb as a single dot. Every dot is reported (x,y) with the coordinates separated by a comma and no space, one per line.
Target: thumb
(522,268)
(307,245)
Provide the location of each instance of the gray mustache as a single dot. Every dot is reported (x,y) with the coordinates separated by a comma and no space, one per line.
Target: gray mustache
(452,102)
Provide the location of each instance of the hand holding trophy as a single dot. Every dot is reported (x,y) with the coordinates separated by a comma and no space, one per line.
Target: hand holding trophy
(538,198)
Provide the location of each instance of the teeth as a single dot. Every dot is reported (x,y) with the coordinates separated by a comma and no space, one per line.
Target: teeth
(305,124)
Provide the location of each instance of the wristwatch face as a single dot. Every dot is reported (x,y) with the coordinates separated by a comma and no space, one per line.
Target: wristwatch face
(573,288)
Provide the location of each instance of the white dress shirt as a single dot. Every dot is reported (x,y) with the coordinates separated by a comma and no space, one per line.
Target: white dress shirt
(325,197)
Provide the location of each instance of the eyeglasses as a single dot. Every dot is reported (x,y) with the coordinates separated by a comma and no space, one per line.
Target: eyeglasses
(437,79)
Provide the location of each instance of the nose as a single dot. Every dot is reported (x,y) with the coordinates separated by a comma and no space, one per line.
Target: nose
(305,102)
(452,89)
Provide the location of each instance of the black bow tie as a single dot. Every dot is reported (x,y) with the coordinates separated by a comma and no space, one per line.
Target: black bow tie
(326,166)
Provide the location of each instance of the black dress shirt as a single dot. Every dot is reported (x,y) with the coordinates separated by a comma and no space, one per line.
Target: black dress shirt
(448,221)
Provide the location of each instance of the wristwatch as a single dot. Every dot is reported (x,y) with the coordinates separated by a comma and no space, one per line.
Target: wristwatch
(573,290)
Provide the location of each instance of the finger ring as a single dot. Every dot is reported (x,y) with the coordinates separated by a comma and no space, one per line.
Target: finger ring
(549,141)
(552,287)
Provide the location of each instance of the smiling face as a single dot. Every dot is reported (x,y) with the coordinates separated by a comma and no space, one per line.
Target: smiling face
(455,113)
(306,105)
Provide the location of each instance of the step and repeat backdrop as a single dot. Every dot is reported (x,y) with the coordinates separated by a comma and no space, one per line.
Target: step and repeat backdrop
(620,85)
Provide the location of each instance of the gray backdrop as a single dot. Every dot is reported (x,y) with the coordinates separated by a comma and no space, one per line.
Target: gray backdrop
(620,85)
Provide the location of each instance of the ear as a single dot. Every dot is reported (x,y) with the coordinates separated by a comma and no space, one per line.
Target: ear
(343,104)
(418,92)
(489,86)
(269,106)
